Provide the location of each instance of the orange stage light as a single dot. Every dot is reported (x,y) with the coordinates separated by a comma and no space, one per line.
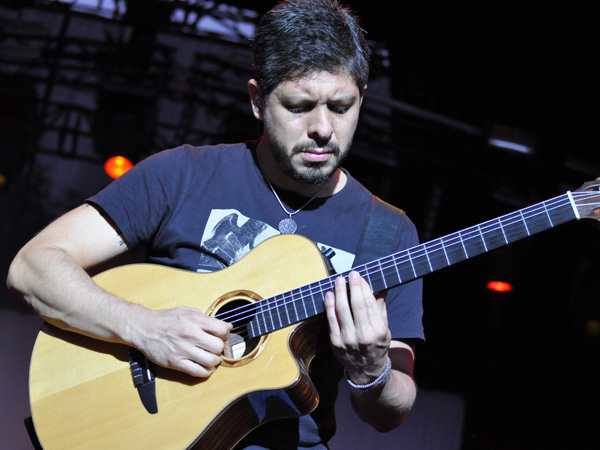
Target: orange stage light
(499,286)
(117,166)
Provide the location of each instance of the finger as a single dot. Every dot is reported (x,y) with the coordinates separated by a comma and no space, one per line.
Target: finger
(193,368)
(343,309)
(358,299)
(334,326)
(206,360)
(210,343)
(376,312)
(212,325)
(369,316)
(380,300)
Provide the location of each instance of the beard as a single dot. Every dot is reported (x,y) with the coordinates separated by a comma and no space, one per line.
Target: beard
(308,172)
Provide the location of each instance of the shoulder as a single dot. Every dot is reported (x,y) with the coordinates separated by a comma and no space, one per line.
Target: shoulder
(187,153)
(355,191)
(186,160)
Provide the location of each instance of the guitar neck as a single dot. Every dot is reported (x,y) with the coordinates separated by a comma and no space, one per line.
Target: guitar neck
(399,268)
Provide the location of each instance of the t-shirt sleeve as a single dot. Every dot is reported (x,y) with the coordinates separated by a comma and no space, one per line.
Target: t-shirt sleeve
(141,200)
(404,303)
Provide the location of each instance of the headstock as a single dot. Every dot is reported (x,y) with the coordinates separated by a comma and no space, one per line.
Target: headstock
(587,200)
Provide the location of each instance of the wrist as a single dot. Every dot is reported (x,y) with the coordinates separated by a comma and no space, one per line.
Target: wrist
(132,327)
(379,381)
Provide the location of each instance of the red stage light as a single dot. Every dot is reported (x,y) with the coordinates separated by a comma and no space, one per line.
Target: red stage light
(499,286)
(117,166)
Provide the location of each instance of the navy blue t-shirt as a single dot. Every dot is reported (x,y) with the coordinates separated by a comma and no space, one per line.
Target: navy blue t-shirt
(204,208)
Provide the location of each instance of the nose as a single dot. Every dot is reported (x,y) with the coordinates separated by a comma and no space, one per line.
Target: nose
(320,126)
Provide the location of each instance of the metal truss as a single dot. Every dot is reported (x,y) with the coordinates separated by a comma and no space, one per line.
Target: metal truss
(74,56)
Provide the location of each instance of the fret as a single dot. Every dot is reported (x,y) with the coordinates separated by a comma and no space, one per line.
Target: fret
(474,244)
(260,319)
(456,250)
(396,268)
(383,277)
(312,298)
(389,273)
(305,312)
(296,311)
(502,229)
(427,257)
(548,214)
(378,281)
(255,324)
(324,286)
(564,212)
(536,222)
(525,223)
(412,265)
(494,236)
(462,242)
(287,313)
(279,310)
(406,268)
(445,252)
(437,257)
(515,228)
(421,265)
(270,318)
(368,279)
(482,238)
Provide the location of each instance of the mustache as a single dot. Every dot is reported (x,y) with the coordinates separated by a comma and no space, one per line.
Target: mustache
(330,147)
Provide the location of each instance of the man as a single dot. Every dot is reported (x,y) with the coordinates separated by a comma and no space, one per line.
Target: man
(203,208)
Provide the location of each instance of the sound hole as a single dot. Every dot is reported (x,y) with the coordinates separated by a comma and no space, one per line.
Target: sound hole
(240,347)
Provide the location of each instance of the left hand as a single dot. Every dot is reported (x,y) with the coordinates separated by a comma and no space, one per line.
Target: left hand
(358,328)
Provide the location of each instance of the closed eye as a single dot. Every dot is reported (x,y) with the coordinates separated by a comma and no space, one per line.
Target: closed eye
(339,109)
(298,109)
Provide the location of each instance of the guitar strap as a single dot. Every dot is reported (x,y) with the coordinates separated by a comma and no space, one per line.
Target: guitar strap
(381,232)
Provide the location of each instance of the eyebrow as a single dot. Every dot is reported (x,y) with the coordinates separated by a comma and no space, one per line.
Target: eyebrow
(307,98)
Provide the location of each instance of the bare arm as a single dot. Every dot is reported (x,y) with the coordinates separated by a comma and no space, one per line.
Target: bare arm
(50,274)
(385,407)
(361,341)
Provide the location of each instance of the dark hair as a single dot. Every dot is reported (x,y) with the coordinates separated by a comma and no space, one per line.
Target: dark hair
(299,37)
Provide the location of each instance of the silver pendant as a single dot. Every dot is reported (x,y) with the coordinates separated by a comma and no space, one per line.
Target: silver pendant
(288,226)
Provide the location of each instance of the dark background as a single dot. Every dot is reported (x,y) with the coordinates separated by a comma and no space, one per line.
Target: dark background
(445,75)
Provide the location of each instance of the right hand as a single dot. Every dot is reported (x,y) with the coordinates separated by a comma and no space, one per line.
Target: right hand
(184,339)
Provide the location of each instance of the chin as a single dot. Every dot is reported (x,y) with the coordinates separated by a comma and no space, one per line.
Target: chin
(312,175)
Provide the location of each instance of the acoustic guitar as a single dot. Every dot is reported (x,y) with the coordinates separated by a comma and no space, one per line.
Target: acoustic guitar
(90,394)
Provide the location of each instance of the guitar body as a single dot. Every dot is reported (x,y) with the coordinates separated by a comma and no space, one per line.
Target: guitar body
(81,389)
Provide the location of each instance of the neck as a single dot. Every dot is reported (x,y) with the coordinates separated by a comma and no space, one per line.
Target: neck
(279,179)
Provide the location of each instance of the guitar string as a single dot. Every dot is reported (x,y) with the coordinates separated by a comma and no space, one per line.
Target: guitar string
(465,236)
(328,282)
(271,305)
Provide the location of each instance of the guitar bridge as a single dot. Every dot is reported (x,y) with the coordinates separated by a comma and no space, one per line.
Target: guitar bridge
(142,372)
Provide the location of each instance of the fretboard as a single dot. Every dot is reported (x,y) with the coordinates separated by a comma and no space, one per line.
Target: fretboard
(307,301)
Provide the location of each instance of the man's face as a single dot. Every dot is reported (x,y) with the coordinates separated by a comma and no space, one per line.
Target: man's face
(309,124)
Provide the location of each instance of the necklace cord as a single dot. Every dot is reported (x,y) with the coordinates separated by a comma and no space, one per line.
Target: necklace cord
(290,214)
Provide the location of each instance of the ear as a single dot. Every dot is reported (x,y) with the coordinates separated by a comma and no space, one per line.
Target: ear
(256,99)
(362,96)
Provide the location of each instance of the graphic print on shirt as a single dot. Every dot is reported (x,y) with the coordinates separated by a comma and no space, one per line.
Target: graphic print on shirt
(229,236)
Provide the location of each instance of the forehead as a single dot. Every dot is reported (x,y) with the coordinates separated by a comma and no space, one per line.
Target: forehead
(318,85)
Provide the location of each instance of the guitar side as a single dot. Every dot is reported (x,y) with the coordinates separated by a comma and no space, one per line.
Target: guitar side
(81,389)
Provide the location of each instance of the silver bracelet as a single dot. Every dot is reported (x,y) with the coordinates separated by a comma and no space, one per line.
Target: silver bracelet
(381,379)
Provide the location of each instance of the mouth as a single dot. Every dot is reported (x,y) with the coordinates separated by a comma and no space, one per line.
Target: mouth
(316,156)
